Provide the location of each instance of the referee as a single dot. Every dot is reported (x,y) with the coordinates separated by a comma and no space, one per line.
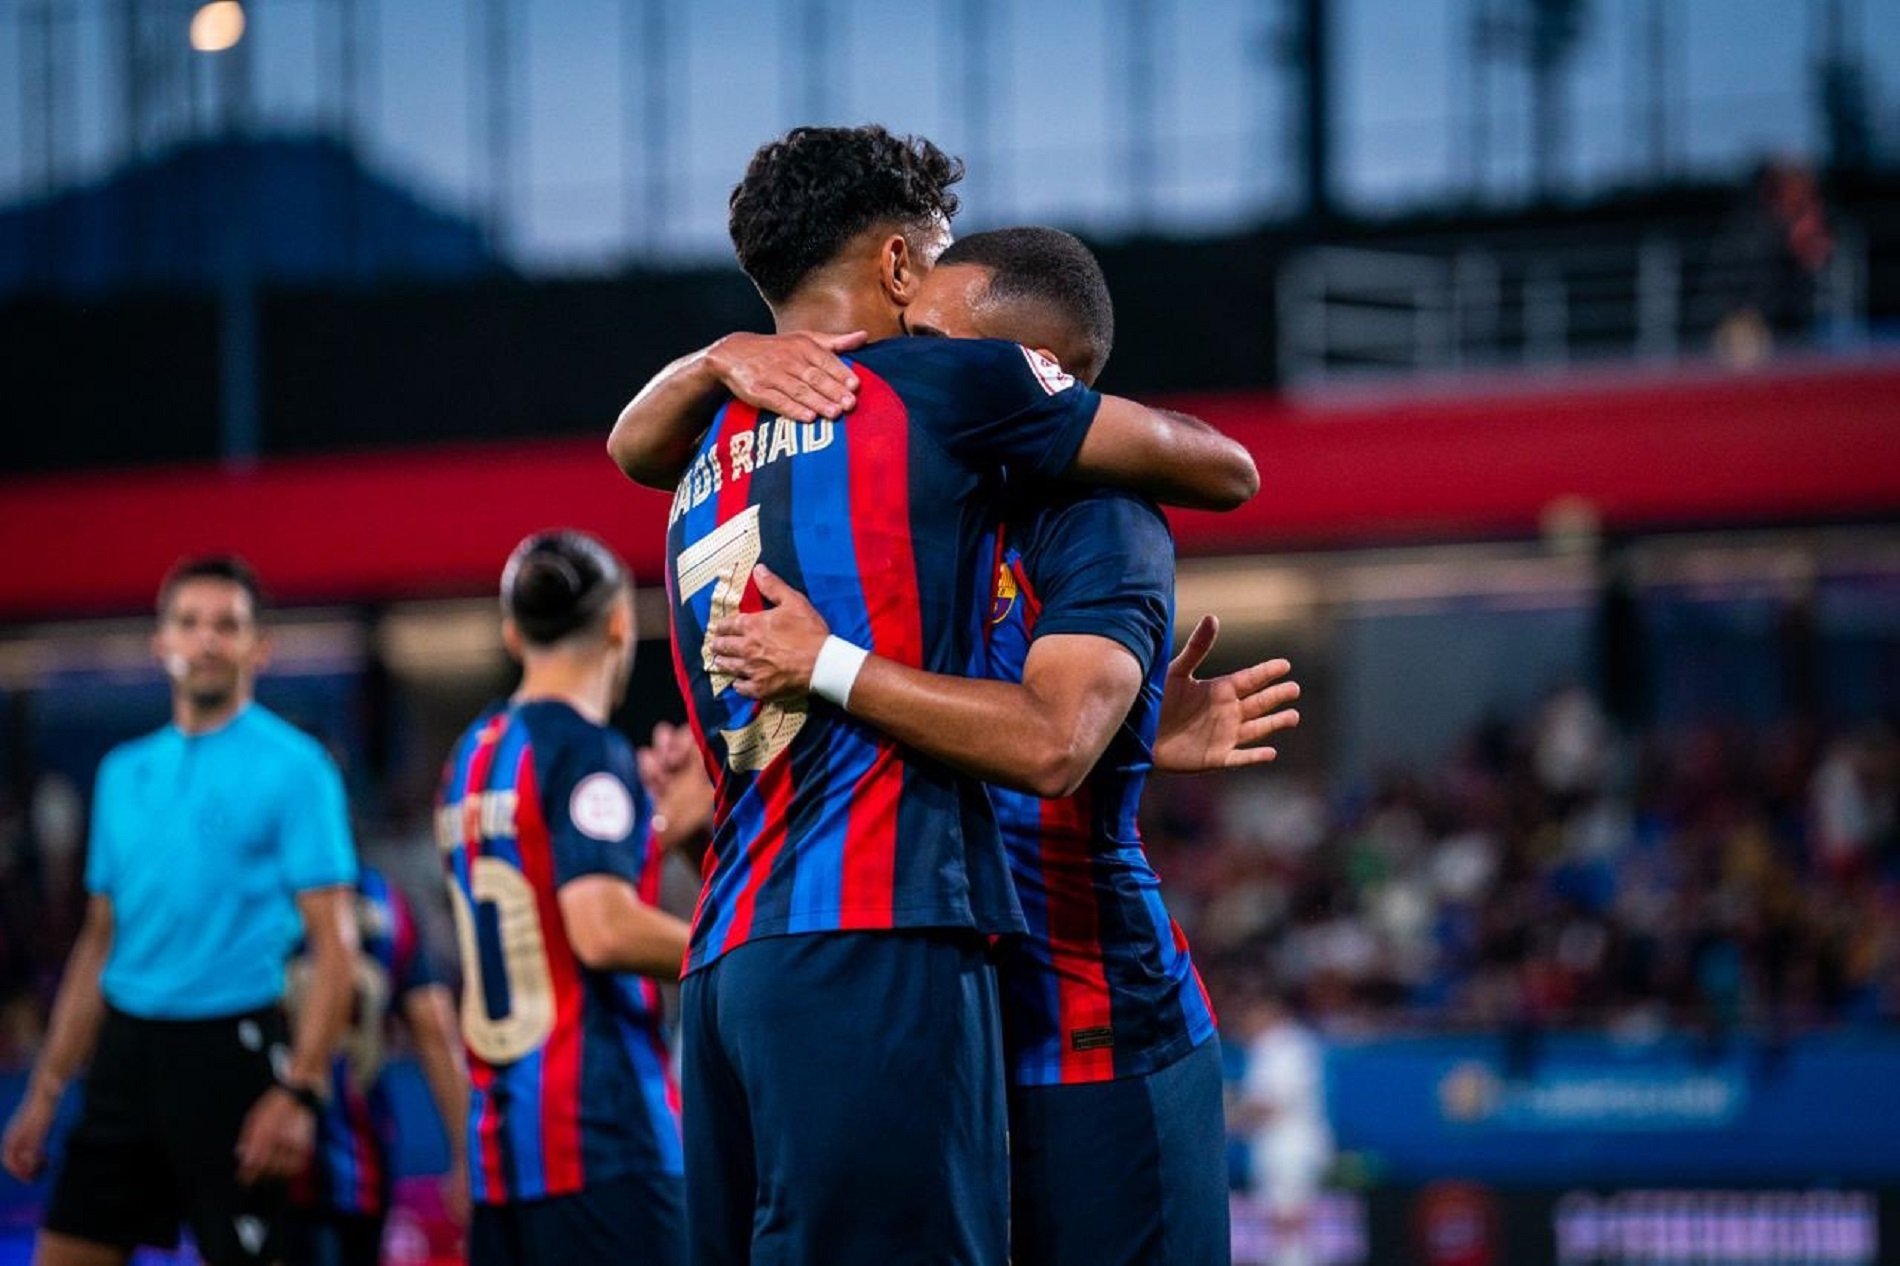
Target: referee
(215,842)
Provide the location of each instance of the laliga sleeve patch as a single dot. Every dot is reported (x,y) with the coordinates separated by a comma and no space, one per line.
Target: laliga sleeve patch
(1047,372)
(601,808)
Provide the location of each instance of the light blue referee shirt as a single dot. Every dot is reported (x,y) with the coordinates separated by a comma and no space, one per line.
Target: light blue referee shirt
(202,842)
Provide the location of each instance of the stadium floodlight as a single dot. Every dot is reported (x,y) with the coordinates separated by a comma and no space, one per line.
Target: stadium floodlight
(217,26)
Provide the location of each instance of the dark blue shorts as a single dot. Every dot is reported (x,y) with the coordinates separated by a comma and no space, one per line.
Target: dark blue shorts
(1122,1173)
(843,1103)
(631,1219)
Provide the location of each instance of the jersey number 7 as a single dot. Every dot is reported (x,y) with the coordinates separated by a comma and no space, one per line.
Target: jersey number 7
(724,558)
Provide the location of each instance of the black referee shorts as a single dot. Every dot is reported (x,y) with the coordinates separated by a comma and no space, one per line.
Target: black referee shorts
(156,1140)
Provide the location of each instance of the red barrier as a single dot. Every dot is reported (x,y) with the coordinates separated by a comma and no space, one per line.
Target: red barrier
(1798,444)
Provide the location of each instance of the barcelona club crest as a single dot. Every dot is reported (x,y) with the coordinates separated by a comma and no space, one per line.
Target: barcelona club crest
(1003,601)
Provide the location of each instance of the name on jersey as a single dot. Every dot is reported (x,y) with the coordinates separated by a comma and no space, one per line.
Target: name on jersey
(489,816)
(741,453)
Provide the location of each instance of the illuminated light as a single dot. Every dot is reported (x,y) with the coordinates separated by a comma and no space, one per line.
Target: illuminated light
(217,26)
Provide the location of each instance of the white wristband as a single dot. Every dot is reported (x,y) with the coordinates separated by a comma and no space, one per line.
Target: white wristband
(836,669)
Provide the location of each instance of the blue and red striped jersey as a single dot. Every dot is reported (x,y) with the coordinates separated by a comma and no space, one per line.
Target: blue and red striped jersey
(356,1132)
(570,1080)
(886,520)
(1103,986)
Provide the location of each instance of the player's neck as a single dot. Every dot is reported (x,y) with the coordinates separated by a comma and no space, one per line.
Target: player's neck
(192,717)
(824,309)
(585,687)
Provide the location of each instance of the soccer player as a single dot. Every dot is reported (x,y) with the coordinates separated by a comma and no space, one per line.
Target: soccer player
(554,872)
(340,1203)
(213,840)
(1116,1130)
(843,1087)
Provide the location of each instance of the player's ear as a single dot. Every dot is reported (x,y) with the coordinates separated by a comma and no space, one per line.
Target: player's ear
(620,624)
(511,637)
(900,271)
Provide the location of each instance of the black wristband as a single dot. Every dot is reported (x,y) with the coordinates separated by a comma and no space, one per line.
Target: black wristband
(305,1095)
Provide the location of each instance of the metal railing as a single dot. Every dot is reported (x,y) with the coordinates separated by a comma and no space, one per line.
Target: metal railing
(1350,312)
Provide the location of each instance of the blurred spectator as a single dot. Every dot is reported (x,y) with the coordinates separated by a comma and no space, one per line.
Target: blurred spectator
(1772,254)
(1282,1111)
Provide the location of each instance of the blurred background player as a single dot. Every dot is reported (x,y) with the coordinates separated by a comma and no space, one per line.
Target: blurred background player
(554,871)
(1116,1135)
(340,1203)
(211,840)
(1282,1108)
(842,870)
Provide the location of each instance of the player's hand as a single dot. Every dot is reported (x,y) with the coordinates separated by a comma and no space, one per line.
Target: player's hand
(676,782)
(797,376)
(769,654)
(1222,722)
(23,1150)
(278,1137)
(455,1199)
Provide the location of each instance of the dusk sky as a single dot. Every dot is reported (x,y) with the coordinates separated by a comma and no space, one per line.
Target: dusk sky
(1059,105)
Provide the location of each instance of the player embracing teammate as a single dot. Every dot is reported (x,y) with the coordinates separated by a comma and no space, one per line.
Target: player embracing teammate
(843,1027)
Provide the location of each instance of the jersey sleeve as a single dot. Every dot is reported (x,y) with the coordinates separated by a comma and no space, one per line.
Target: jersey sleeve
(314,832)
(99,860)
(994,404)
(1103,564)
(597,812)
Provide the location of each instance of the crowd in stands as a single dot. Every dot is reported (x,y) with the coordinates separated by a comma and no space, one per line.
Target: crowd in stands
(1550,876)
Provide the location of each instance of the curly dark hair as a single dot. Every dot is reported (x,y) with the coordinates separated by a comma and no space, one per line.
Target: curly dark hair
(814,189)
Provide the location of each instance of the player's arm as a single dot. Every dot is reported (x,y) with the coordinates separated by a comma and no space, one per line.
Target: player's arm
(797,376)
(600,821)
(280,1129)
(612,929)
(1171,457)
(78,1010)
(319,864)
(429,1013)
(1042,736)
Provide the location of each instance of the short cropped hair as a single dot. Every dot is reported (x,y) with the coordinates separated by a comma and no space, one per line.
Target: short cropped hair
(1050,268)
(226,567)
(812,190)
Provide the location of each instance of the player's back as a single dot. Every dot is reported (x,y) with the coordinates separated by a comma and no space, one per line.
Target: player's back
(570,1081)
(885,520)
(1102,986)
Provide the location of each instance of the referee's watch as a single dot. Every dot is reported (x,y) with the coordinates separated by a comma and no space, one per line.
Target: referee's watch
(304,1094)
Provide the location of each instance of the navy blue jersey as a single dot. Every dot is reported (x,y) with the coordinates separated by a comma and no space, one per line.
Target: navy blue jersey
(569,1076)
(1102,987)
(886,521)
(355,1134)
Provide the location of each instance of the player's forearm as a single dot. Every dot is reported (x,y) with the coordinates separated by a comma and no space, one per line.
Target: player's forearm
(649,942)
(998,731)
(655,436)
(1176,459)
(611,929)
(79,1009)
(432,1027)
(330,933)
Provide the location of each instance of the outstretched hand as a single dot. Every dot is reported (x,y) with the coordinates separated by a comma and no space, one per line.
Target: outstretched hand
(1221,722)
(769,654)
(797,376)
